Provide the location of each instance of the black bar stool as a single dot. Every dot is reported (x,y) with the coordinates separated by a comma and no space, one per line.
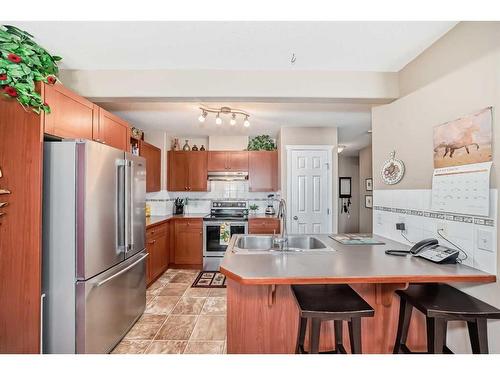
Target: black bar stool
(330,302)
(441,303)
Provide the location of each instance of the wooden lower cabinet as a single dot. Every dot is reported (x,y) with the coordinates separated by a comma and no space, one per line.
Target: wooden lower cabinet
(264,225)
(157,246)
(188,242)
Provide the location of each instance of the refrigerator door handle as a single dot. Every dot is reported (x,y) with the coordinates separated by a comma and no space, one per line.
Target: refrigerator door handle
(128,208)
(120,208)
(131,207)
(102,282)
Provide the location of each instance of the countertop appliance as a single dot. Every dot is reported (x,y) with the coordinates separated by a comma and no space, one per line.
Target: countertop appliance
(93,245)
(270,205)
(227,217)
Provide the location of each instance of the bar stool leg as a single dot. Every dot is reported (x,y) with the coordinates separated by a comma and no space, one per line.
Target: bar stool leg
(355,335)
(301,336)
(478,336)
(436,332)
(339,340)
(314,335)
(405,310)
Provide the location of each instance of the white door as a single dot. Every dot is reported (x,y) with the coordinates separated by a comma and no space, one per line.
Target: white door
(309,191)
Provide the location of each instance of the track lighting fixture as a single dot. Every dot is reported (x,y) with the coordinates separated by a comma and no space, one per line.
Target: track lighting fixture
(224,111)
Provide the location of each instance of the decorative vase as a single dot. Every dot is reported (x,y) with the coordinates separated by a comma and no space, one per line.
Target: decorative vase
(176,146)
(186,146)
(194,148)
(202,148)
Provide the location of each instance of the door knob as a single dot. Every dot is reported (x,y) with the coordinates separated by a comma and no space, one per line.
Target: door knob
(295,218)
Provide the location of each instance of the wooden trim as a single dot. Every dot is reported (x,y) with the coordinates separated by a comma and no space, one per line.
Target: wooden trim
(396,279)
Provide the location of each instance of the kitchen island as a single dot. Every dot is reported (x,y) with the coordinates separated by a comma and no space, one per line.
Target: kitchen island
(262,316)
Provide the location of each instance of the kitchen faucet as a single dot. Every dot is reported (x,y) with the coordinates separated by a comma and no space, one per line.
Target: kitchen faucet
(283,240)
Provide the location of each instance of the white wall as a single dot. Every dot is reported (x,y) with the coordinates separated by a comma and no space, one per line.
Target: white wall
(349,167)
(365,171)
(456,76)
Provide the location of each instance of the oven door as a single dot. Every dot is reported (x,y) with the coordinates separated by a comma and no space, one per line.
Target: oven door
(212,244)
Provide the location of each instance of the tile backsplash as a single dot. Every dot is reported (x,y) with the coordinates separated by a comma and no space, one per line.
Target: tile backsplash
(161,202)
(475,235)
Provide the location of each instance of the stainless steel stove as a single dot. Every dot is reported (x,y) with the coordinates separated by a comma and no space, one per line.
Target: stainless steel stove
(227,217)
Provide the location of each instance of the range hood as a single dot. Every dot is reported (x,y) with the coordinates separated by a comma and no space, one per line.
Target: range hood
(227,176)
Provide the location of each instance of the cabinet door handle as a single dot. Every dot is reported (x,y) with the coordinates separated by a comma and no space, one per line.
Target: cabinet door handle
(295,218)
(152,242)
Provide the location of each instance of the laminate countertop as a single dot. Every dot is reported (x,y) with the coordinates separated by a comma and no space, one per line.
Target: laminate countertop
(345,264)
(159,219)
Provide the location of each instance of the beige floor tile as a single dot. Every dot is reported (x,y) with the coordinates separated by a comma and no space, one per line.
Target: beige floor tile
(184,278)
(218,292)
(152,318)
(173,290)
(197,292)
(162,305)
(177,327)
(131,347)
(210,327)
(143,331)
(156,286)
(167,347)
(190,272)
(204,347)
(214,306)
(189,306)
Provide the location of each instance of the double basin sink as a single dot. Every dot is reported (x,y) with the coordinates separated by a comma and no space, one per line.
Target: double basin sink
(295,243)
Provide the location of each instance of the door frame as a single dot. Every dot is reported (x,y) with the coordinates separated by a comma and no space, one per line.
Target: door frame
(329,150)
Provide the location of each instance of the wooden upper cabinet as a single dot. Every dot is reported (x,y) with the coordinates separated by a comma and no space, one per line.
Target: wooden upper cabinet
(187,171)
(217,161)
(263,170)
(111,130)
(238,161)
(197,170)
(152,155)
(225,161)
(71,115)
(178,165)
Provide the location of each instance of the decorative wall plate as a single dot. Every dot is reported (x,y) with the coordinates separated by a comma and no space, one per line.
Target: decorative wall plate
(392,170)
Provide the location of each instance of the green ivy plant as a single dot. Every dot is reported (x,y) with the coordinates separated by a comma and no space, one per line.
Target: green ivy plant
(261,142)
(23,63)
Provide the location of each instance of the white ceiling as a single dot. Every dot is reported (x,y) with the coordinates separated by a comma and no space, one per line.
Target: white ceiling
(181,119)
(341,45)
(334,46)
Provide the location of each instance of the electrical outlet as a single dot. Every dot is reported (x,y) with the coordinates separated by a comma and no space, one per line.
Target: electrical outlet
(484,240)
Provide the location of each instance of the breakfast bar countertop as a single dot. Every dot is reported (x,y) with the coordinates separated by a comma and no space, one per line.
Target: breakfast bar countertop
(346,264)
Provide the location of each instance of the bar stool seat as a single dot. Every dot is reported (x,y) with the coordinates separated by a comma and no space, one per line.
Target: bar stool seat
(441,303)
(330,302)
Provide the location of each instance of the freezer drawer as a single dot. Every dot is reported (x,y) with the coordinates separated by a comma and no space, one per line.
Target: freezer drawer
(109,304)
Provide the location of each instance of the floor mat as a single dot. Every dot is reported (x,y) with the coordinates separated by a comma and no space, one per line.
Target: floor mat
(209,279)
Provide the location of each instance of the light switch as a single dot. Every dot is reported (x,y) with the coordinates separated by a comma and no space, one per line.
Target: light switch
(484,240)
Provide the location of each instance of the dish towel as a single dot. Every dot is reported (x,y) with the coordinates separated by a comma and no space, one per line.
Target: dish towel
(225,234)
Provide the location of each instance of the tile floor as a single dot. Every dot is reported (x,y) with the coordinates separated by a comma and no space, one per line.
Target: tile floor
(179,319)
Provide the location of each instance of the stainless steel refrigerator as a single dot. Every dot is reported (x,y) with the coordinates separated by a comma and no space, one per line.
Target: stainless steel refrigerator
(93,245)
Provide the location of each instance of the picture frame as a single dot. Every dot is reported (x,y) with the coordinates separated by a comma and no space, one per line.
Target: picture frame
(369,184)
(345,187)
(369,201)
